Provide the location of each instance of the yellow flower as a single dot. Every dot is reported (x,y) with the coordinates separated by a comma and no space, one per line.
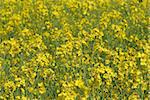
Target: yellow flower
(10,86)
(79,83)
(18,97)
(24,98)
(31,89)
(22,90)
(0,64)
(134,96)
(48,24)
(9,29)
(143,61)
(19,82)
(42,88)
(26,32)
(16,18)
(56,13)
(107,61)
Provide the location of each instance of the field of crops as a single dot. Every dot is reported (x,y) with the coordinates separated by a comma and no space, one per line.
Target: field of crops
(74,50)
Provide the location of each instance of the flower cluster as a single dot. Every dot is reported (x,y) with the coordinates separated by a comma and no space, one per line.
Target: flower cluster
(74,49)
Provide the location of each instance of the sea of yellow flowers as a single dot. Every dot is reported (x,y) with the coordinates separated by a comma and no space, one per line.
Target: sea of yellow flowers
(74,49)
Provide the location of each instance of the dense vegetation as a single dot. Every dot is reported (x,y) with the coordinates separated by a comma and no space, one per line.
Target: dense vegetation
(74,49)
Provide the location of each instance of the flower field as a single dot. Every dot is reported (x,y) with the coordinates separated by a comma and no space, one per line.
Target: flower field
(74,49)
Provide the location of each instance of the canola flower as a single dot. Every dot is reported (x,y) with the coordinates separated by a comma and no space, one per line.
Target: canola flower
(74,49)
